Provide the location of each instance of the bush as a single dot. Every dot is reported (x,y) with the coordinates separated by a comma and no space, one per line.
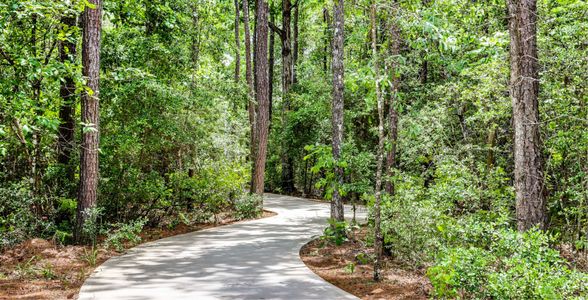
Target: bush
(92,226)
(408,223)
(248,207)
(22,215)
(337,232)
(122,233)
(508,265)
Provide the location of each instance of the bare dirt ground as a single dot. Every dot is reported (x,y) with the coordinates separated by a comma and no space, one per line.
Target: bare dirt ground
(346,267)
(41,269)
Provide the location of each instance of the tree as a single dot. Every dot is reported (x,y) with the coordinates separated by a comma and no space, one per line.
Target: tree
(251,106)
(393,69)
(237,43)
(261,95)
(296,44)
(378,238)
(88,190)
(67,54)
(285,34)
(337,107)
(524,91)
(272,62)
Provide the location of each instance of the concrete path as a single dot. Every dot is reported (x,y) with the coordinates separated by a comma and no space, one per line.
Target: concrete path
(249,260)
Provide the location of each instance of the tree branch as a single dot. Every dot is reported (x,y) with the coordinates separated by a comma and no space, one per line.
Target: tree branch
(7,57)
(48,56)
(277,30)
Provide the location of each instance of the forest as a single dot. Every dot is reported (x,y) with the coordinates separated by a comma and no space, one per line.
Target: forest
(461,125)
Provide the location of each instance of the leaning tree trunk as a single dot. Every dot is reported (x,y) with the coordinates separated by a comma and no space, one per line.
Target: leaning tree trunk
(524,89)
(67,53)
(90,116)
(378,239)
(237,43)
(337,107)
(392,113)
(261,95)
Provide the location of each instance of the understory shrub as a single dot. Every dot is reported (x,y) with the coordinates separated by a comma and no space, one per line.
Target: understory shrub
(23,215)
(505,264)
(337,232)
(408,223)
(120,234)
(248,207)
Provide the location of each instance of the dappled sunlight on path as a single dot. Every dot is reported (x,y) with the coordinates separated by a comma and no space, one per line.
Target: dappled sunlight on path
(249,260)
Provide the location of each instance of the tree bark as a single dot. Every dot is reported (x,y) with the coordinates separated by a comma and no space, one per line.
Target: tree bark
(248,63)
(272,62)
(524,89)
(392,113)
(295,47)
(328,40)
(287,81)
(337,107)
(261,95)
(378,238)
(251,107)
(237,43)
(92,23)
(67,54)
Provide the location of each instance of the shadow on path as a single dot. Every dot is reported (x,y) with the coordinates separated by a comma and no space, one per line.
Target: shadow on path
(250,260)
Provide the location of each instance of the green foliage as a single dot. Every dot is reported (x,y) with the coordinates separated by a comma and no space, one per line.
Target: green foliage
(249,207)
(48,272)
(509,265)
(90,256)
(362,258)
(174,131)
(350,268)
(337,232)
(27,269)
(92,224)
(325,165)
(18,218)
(173,136)
(124,234)
(409,222)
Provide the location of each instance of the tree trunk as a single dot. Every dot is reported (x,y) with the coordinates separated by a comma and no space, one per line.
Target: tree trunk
(328,40)
(92,23)
(248,67)
(261,95)
(272,62)
(337,106)
(237,43)
(36,136)
(295,48)
(392,113)
(250,95)
(524,89)
(378,239)
(287,80)
(67,53)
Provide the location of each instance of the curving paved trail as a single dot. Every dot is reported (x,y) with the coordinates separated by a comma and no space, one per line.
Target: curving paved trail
(249,260)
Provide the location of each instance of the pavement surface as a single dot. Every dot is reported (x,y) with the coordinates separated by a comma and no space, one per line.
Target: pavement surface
(256,259)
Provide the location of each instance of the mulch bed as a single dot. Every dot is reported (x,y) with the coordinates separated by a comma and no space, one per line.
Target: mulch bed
(345,267)
(41,269)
